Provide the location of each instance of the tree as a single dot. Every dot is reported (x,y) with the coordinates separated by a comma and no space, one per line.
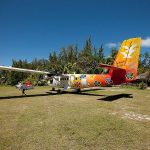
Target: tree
(144,63)
(101,53)
(87,49)
(110,60)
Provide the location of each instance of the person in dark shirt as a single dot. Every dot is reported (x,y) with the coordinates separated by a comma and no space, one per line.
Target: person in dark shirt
(23,91)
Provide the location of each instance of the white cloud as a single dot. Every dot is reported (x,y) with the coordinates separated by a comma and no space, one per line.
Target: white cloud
(111,45)
(146,42)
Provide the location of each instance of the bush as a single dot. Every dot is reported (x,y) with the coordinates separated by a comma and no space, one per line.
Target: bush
(42,83)
(142,85)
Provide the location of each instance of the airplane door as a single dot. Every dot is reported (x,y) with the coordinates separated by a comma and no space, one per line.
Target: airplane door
(83,82)
(72,79)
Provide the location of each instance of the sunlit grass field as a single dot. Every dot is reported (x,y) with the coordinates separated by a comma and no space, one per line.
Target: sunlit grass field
(110,118)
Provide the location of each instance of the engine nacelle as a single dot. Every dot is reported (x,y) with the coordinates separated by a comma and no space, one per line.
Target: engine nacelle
(45,77)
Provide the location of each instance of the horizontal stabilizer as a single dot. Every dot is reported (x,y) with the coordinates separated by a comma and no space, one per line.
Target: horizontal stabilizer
(118,75)
(110,67)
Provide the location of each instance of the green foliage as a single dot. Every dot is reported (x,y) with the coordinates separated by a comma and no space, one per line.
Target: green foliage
(112,57)
(144,63)
(101,53)
(142,85)
(33,79)
(42,83)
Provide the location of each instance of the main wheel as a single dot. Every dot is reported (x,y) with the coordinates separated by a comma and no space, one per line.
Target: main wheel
(59,91)
(78,90)
(53,89)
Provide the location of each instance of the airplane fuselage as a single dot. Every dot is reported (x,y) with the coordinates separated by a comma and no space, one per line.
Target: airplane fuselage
(79,81)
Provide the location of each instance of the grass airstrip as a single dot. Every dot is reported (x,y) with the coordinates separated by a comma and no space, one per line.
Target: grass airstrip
(110,118)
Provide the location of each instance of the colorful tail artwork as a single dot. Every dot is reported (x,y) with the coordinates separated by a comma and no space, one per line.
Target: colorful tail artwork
(125,65)
(128,57)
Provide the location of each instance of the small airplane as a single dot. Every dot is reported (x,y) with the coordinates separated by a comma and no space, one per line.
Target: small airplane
(123,70)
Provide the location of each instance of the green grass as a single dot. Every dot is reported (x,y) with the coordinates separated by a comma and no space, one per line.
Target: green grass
(73,121)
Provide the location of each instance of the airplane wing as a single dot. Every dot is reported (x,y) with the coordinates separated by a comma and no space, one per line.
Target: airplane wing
(23,70)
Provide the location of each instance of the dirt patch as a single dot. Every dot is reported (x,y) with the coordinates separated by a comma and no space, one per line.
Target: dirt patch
(114,89)
(135,116)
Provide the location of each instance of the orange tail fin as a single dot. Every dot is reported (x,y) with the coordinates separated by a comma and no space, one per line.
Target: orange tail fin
(128,57)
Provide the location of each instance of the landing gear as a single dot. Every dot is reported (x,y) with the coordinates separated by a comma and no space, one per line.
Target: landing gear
(59,91)
(78,90)
(53,89)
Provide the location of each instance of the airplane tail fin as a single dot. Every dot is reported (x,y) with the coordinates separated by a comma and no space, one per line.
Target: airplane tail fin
(128,57)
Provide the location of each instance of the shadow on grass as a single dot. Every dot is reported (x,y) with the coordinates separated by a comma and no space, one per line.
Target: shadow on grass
(82,93)
(50,93)
(78,93)
(20,96)
(116,97)
(107,98)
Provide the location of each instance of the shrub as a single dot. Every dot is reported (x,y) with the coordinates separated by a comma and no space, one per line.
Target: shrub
(42,83)
(142,85)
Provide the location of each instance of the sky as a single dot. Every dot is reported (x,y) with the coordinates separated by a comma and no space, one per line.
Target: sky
(33,28)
